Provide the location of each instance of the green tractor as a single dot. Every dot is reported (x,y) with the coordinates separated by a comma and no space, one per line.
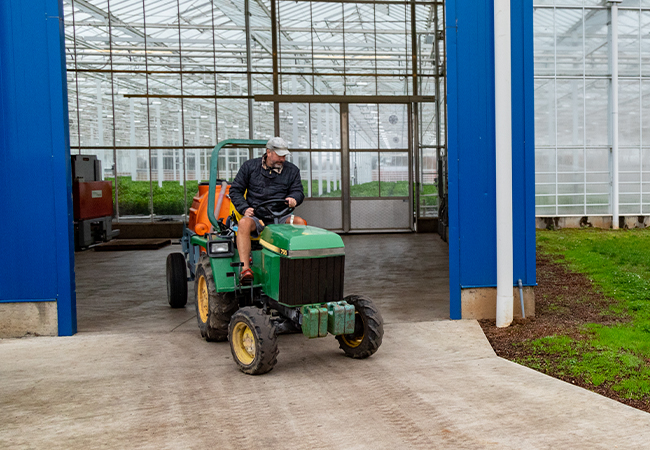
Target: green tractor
(297,287)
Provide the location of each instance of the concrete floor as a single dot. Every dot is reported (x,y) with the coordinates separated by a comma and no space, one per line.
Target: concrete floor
(406,274)
(138,375)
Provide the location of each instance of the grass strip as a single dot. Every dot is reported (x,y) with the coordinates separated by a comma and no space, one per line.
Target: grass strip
(616,356)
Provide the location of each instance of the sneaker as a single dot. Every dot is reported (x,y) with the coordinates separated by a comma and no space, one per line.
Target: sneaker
(246,277)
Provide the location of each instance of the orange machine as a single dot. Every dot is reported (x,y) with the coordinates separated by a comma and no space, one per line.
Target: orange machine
(198,220)
(92,199)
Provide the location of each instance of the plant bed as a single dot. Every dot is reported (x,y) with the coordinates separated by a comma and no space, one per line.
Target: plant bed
(592,323)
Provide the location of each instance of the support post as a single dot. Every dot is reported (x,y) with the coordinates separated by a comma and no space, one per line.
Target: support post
(345,167)
(503,131)
(614,50)
(249,69)
(274,49)
(159,153)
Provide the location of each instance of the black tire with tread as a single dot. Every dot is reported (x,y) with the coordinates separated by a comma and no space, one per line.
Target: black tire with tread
(369,322)
(266,340)
(176,280)
(221,305)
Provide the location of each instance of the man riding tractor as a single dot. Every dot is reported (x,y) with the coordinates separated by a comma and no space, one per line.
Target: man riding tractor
(258,181)
(297,277)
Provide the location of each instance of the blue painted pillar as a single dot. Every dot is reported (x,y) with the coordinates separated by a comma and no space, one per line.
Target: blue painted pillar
(471,145)
(35,180)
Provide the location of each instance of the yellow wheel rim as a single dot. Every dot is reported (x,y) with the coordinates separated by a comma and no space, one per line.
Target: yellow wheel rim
(243,342)
(354,340)
(202,299)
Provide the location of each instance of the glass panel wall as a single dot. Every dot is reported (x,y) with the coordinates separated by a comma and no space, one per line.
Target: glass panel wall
(431,141)
(154,85)
(309,129)
(573,88)
(374,171)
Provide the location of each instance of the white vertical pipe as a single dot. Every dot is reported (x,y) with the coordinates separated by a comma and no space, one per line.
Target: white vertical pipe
(325,130)
(205,154)
(338,170)
(133,154)
(159,158)
(174,164)
(294,111)
(197,158)
(319,125)
(329,172)
(575,110)
(614,50)
(309,177)
(320,174)
(100,114)
(249,69)
(181,163)
(503,128)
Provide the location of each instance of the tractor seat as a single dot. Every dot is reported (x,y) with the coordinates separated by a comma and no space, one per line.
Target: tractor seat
(255,242)
(234,213)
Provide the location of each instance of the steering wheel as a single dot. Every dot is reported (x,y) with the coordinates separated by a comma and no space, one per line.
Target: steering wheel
(265,210)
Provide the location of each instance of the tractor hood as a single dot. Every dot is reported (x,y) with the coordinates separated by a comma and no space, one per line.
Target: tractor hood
(300,241)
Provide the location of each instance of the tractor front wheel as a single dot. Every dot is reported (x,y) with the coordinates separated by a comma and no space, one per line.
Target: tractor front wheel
(176,280)
(368,329)
(213,309)
(253,341)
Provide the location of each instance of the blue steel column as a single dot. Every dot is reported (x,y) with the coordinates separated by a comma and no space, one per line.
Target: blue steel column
(523,132)
(471,146)
(66,298)
(453,123)
(35,180)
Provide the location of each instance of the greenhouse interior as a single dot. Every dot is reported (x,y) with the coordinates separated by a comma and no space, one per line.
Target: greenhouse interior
(154,85)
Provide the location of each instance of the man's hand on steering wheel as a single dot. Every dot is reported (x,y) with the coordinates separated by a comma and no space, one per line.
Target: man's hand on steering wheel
(291,201)
(264,210)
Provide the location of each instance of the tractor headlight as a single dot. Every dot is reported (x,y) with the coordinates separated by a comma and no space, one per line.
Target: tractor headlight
(220,249)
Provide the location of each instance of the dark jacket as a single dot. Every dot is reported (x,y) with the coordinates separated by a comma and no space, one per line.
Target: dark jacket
(263,185)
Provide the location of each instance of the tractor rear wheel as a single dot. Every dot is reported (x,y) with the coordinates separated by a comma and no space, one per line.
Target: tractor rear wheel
(253,341)
(176,280)
(213,309)
(368,329)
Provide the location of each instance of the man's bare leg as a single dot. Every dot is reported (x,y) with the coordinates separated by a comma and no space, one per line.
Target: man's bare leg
(244,229)
(296,220)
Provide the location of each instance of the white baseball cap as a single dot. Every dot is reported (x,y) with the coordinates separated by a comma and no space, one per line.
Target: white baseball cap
(279,146)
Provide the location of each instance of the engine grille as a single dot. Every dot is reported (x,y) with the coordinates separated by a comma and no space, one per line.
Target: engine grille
(316,280)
